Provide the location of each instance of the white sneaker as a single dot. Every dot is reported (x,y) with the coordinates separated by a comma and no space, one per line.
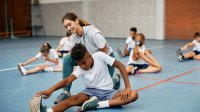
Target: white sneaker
(48,69)
(22,69)
(180,58)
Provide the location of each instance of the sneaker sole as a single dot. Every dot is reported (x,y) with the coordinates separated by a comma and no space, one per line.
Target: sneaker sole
(20,70)
(57,101)
(91,99)
(35,104)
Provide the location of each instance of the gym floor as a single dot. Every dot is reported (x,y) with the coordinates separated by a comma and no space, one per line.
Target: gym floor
(175,89)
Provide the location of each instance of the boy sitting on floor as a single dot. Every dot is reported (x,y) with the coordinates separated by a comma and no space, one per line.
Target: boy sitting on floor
(99,92)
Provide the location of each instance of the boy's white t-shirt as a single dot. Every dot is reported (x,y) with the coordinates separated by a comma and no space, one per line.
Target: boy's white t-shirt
(98,76)
(130,42)
(140,61)
(52,54)
(67,43)
(196,45)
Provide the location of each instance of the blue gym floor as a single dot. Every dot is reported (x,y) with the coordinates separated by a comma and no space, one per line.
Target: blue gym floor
(175,89)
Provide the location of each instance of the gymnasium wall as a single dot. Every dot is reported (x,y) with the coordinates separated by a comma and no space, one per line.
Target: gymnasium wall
(182,19)
(112,17)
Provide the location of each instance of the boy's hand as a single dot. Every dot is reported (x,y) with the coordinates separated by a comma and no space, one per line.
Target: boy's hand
(126,93)
(46,93)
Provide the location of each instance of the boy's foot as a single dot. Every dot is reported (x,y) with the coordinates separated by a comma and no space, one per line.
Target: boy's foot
(118,84)
(48,69)
(90,104)
(22,69)
(36,105)
(179,52)
(119,52)
(180,58)
(135,71)
(64,95)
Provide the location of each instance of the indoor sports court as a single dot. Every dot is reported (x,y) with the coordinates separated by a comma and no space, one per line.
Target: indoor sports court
(168,25)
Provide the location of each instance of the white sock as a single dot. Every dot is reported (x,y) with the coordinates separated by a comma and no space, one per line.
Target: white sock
(103,104)
(50,110)
(23,70)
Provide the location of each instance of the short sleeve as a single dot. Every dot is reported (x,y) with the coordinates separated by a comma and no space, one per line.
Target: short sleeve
(195,42)
(39,55)
(106,58)
(55,55)
(62,41)
(99,40)
(77,72)
(128,40)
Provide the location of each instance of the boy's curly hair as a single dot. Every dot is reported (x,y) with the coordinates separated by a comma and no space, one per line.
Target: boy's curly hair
(78,52)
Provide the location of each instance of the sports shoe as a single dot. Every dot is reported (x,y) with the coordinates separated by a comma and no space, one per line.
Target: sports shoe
(135,71)
(36,105)
(119,52)
(118,84)
(179,52)
(22,69)
(90,104)
(48,69)
(62,97)
(180,58)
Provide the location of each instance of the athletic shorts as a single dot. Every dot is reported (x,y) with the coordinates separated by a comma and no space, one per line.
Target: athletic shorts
(63,52)
(196,52)
(99,93)
(140,66)
(129,49)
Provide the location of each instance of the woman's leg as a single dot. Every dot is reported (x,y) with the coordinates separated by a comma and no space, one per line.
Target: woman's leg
(68,65)
(76,100)
(111,68)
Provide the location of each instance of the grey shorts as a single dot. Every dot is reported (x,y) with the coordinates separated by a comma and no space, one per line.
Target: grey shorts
(99,93)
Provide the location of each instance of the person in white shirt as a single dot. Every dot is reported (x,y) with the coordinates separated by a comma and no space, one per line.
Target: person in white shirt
(99,92)
(129,44)
(92,39)
(139,58)
(49,55)
(65,45)
(195,53)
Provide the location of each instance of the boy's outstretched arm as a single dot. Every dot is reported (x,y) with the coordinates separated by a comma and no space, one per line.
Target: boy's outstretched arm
(185,47)
(122,69)
(57,86)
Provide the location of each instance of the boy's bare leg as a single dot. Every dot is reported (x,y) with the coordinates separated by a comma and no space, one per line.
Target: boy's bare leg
(197,57)
(150,69)
(189,55)
(117,101)
(36,69)
(129,69)
(75,100)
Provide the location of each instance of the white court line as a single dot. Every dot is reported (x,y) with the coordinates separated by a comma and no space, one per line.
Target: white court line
(7,69)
